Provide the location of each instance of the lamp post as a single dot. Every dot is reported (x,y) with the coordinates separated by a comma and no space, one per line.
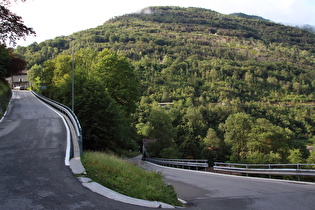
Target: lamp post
(41,79)
(72,89)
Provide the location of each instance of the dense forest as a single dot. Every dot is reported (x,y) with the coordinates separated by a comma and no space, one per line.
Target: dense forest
(198,83)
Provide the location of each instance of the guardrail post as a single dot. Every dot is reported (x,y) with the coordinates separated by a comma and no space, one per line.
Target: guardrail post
(81,143)
(298,167)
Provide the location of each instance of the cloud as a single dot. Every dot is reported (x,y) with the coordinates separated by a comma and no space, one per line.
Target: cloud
(282,11)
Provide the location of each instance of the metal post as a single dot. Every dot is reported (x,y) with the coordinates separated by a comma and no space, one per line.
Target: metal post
(72,89)
(41,80)
(298,168)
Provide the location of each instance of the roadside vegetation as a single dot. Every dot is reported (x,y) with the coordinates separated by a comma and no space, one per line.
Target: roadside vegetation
(5,95)
(128,179)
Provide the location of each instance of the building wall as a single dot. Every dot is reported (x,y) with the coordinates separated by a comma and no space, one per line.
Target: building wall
(19,80)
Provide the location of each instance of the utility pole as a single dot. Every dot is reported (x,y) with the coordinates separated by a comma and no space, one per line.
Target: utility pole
(72,91)
(41,79)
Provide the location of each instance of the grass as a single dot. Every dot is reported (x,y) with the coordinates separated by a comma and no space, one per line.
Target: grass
(5,95)
(128,179)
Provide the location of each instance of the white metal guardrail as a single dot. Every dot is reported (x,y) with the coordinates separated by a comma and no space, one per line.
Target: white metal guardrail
(267,169)
(180,163)
(69,114)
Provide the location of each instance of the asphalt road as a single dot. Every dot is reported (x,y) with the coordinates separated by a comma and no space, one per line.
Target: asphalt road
(204,190)
(33,174)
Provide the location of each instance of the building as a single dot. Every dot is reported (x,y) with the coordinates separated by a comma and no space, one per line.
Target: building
(19,81)
(166,104)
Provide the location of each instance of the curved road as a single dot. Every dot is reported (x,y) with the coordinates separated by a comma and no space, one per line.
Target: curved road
(33,174)
(204,190)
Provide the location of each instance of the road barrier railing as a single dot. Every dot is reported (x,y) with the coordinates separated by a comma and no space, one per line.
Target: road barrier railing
(72,119)
(195,164)
(267,169)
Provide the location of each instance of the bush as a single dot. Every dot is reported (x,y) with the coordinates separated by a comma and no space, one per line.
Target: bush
(5,95)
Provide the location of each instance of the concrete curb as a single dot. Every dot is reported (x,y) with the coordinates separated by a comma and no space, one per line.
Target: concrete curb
(78,169)
(76,166)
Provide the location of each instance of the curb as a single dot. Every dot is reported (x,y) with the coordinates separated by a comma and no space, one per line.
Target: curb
(78,169)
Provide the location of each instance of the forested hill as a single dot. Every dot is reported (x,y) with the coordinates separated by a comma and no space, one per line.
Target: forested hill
(200,60)
(202,50)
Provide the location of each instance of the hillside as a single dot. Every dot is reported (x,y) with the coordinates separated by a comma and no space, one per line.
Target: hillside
(195,43)
(200,60)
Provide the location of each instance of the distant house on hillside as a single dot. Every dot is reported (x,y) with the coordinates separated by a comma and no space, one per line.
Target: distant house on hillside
(166,104)
(19,81)
(310,148)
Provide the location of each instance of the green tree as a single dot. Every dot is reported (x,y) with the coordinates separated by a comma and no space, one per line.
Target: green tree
(268,143)
(212,147)
(311,158)
(190,148)
(4,61)
(48,74)
(265,137)
(104,124)
(212,140)
(295,156)
(62,64)
(12,27)
(237,128)
(85,60)
(10,63)
(159,126)
(33,75)
(194,121)
(118,77)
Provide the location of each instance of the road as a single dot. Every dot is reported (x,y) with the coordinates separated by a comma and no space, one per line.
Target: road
(33,174)
(204,190)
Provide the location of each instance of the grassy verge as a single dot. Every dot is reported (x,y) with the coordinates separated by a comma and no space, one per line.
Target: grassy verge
(127,179)
(5,95)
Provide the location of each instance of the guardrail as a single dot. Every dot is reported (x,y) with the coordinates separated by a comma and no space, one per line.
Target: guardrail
(68,113)
(180,163)
(267,169)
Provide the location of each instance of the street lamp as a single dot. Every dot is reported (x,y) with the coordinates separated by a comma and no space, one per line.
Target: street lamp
(41,79)
(72,55)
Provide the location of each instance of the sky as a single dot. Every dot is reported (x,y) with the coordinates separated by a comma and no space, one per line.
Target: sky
(52,18)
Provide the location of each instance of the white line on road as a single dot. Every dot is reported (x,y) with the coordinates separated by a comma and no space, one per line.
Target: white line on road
(234,176)
(67,157)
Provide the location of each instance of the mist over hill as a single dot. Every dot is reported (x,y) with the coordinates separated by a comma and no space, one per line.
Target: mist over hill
(252,17)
